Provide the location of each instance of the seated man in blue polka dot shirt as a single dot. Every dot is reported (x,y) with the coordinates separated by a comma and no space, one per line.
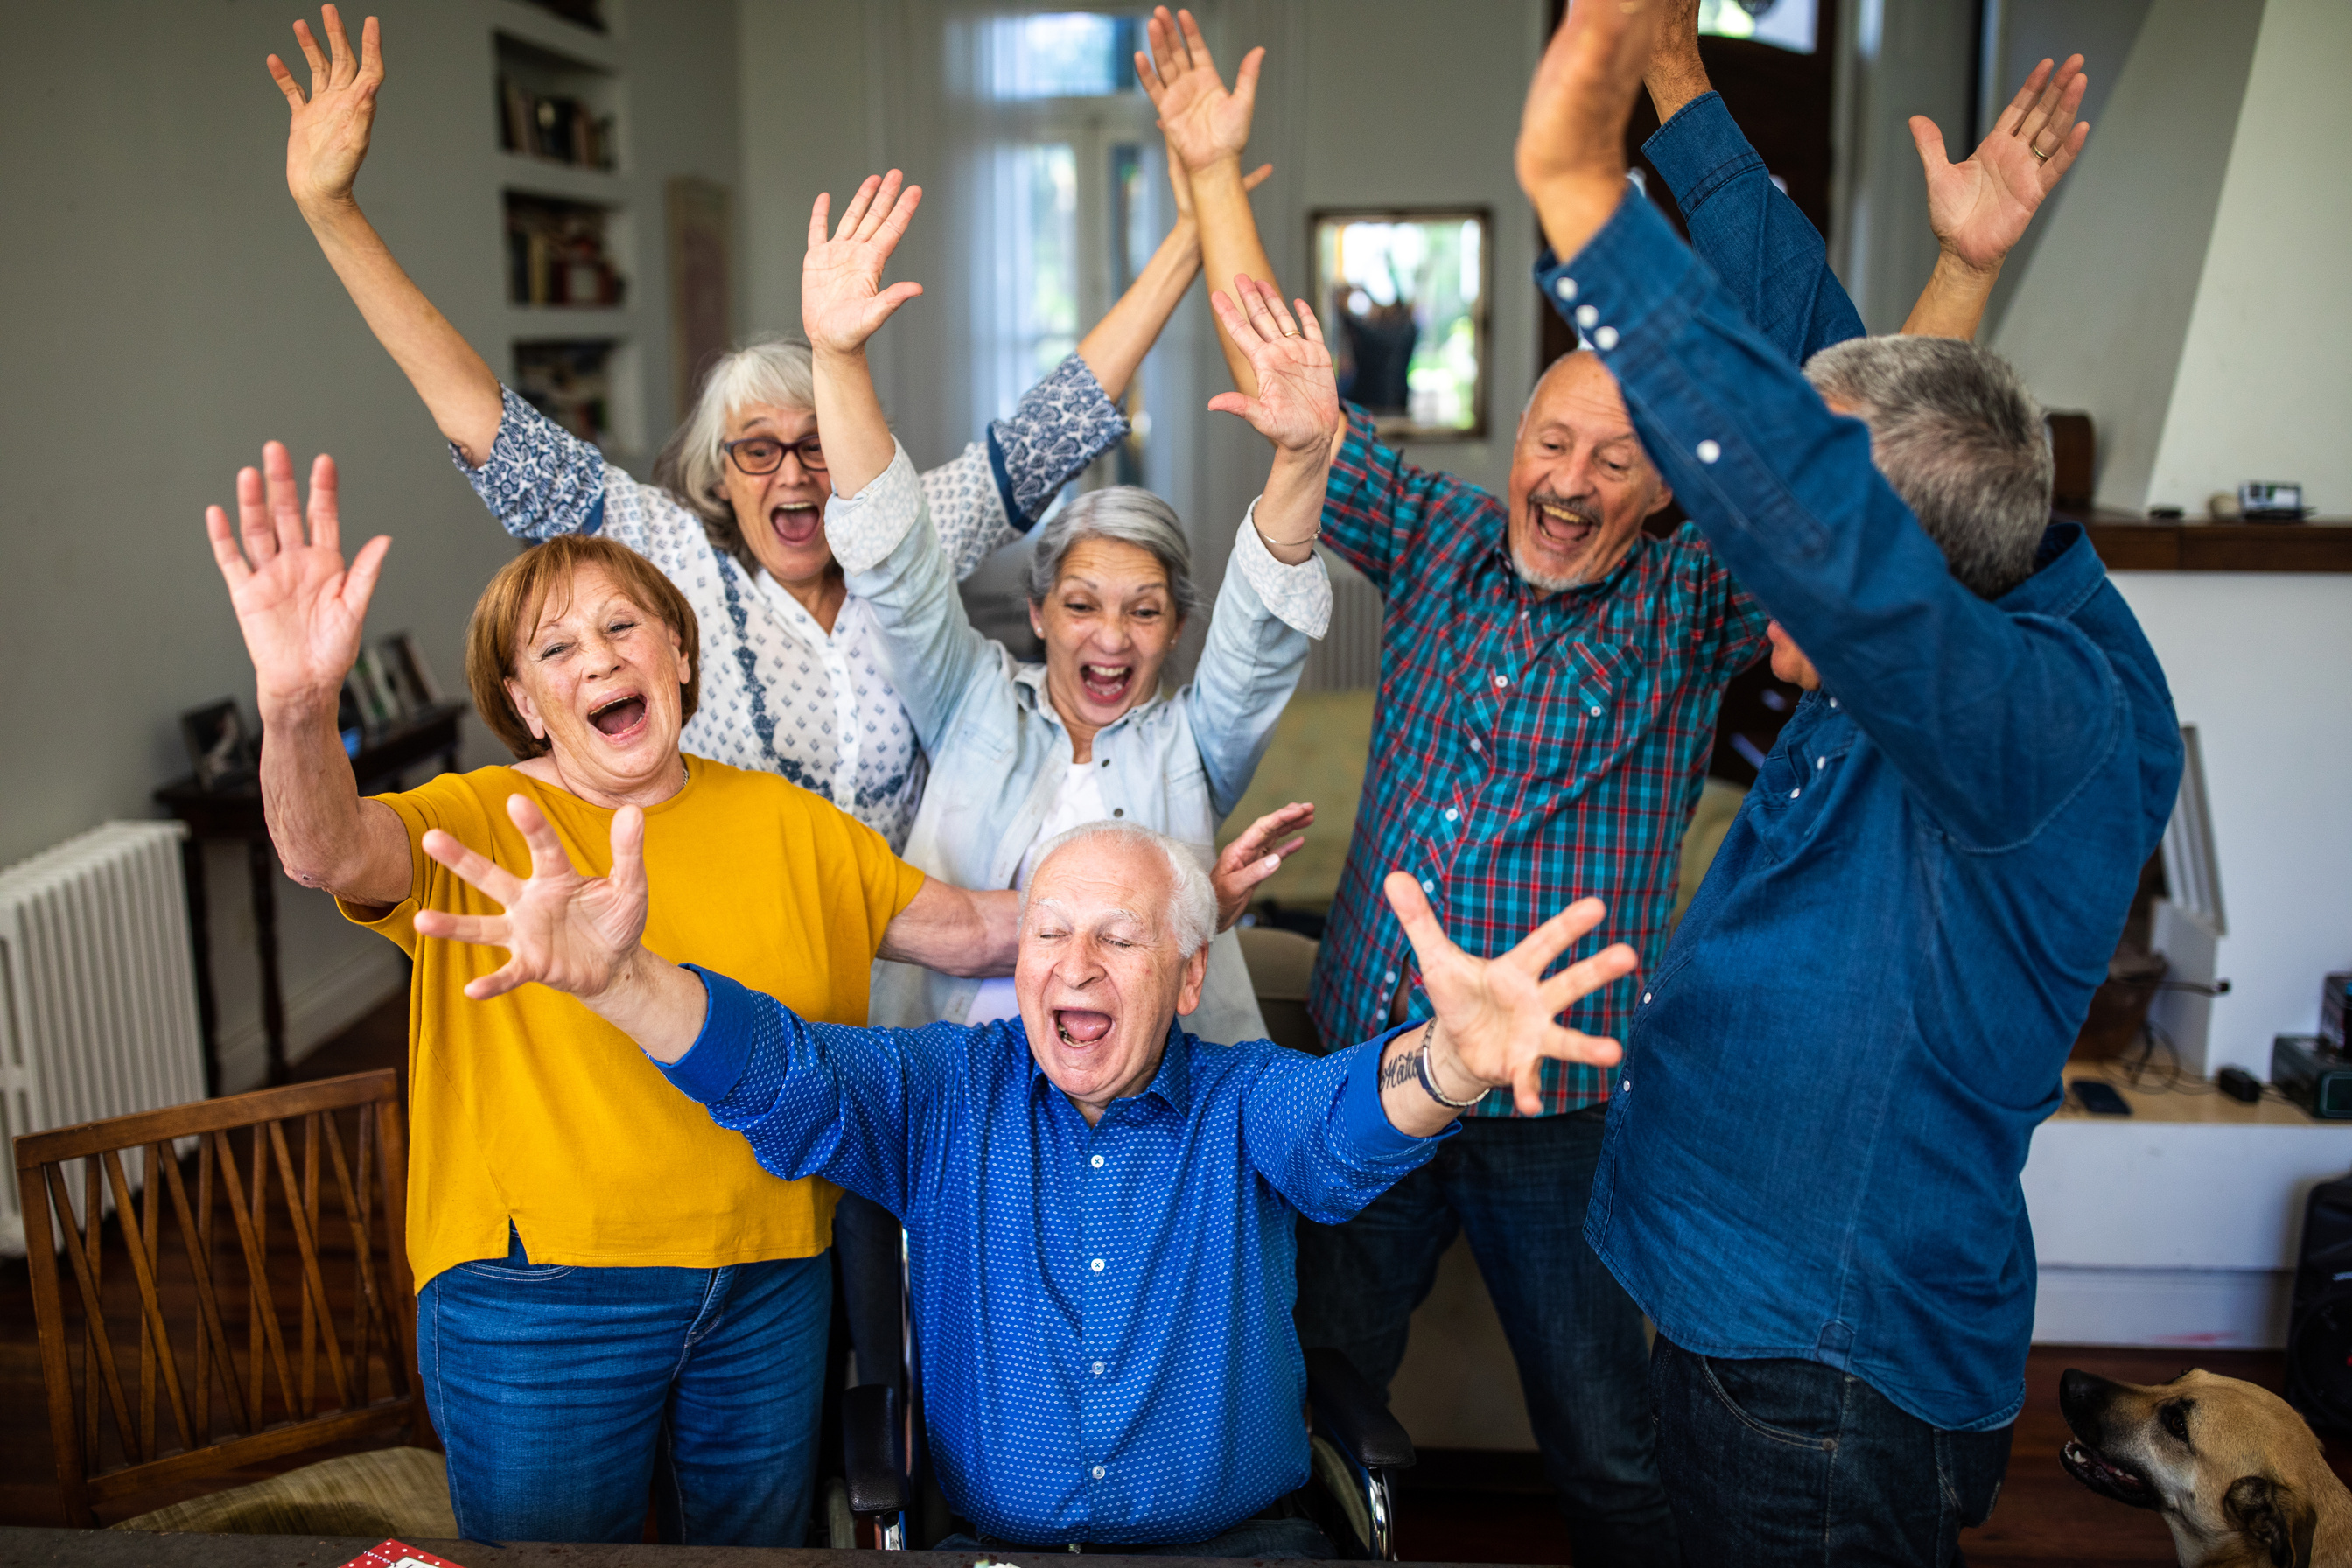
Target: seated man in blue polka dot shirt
(1098,1206)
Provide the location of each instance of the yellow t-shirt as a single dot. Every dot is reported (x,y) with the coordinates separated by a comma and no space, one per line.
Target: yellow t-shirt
(530,1108)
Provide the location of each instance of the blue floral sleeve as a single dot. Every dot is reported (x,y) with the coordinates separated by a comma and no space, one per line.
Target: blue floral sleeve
(540,480)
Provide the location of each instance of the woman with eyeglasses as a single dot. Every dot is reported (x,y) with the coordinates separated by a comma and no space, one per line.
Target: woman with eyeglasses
(793,680)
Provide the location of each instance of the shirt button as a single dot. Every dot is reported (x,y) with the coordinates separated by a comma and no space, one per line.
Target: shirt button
(1625,1086)
(1819,763)
(1475,746)
(1502,679)
(1389,978)
(1586,315)
(1708,451)
(1099,1472)
(1795,792)
(1427,886)
(1451,814)
(1606,338)
(1564,288)
(1645,998)
(1099,1161)
(1832,701)
(1594,712)
(1098,1264)
(1099,1369)
(1118,811)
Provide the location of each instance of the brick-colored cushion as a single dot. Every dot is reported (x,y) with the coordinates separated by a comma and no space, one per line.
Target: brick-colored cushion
(385,1492)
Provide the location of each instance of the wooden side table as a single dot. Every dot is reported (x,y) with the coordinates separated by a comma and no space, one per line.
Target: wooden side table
(233,813)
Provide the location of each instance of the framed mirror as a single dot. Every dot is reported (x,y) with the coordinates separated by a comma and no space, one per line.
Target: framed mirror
(1403,293)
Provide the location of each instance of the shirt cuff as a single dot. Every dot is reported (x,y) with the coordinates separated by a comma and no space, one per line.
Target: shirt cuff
(1700,151)
(1300,595)
(1061,423)
(714,1064)
(1363,1119)
(865,528)
(1633,274)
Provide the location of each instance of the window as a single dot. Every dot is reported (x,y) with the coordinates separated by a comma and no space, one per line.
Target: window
(1784,24)
(1402,297)
(1062,54)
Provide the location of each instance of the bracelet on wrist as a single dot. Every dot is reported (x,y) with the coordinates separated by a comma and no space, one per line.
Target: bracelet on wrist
(1429,1079)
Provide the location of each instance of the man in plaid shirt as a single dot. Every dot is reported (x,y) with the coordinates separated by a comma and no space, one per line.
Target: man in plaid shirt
(1549,682)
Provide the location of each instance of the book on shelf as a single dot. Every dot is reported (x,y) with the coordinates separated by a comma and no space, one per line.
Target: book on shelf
(556,255)
(559,129)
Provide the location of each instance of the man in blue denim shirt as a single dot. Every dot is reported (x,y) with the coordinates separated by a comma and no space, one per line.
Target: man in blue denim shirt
(1809,1180)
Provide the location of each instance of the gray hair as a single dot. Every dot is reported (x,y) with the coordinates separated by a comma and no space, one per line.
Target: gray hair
(772,370)
(1191,912)
(1956,433)
(1130,515)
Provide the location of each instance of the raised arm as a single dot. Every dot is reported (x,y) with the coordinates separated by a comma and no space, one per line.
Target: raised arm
(301,614)
(956,930)
(1208,129)
(325,143)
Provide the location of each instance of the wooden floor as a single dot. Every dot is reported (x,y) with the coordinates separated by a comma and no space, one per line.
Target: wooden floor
(1462,1507)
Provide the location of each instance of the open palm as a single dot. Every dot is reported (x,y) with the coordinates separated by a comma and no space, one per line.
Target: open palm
(1298,402)
(301,611)
(328,137)
(1202,120)
(842,298)
(1980,206)
(561,928)
(1500,1015)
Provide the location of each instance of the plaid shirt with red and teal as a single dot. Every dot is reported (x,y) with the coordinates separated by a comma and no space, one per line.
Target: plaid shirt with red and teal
(1529,748)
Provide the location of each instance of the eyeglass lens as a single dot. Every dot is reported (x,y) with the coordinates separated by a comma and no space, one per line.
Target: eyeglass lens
(763,455)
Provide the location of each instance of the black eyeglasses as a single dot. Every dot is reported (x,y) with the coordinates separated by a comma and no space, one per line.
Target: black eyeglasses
(758,455)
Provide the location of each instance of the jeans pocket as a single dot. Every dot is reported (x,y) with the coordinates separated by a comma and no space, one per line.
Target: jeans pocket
(515,1273)
(1765,1429)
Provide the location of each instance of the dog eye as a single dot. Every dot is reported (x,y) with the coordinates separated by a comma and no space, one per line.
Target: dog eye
(2175,1420)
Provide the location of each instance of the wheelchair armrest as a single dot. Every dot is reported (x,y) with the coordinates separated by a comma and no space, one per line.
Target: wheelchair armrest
(1356,1416)
(877,1470)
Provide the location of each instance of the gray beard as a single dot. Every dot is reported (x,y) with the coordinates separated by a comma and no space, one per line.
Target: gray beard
(1545,581)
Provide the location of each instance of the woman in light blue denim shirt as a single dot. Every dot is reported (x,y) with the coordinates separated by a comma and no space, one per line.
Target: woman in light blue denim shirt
(1018,748)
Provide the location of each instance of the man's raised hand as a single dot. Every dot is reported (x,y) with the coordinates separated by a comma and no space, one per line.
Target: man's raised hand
(328,136)
(1204,122)
(1572,149)
(573,933)
(1499,1016)
(842,298)
(301,611)
(1298,402)
(1253,857)
(1979,208)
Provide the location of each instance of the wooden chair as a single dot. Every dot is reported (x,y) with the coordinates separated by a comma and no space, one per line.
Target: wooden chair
(227,1409)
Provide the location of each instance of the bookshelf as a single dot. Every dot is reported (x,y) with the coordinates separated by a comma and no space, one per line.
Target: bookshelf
(570,239)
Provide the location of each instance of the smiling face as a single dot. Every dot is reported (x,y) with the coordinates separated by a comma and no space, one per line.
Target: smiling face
(1099,976)
(781,514)
(599,678)
(1108,625)
(1581,483)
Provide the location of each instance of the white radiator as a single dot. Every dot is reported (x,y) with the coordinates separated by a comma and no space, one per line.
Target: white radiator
(1349,657)
(98,998)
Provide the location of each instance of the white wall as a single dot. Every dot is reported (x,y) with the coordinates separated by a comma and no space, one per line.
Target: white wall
(164,310)
(2264,385)
(1899,57)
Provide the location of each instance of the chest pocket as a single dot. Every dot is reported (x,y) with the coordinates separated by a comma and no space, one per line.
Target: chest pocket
(1796,783)
(1566,718)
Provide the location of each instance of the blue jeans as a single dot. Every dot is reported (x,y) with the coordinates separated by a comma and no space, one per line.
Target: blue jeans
(1265,1539)
(1788,1462)
(565,1396)
(1517,1189)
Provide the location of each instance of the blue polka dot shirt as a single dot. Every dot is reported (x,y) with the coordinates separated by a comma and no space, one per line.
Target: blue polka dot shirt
(1103,1312)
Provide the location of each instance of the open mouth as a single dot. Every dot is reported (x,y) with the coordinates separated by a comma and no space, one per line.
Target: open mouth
(1079,1028)
(1564,529)
(619,716)
(2105,1476)
(797,523)
(1107,682)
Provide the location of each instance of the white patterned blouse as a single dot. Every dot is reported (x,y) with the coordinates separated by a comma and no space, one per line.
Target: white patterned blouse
(778,693)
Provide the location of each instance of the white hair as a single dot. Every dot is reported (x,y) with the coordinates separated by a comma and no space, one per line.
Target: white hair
(775,371)
(1191,912)
(1128,514)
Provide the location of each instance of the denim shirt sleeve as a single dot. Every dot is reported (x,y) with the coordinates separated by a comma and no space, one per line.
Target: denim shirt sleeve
(1314,1127)
(1767,255)
(892,558)
(1993,720)
(1250,665)
(813,1099)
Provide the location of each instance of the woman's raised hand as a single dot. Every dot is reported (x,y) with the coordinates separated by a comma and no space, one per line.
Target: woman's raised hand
(301,611)
(1979,208)
(1204,121)
(1298,402)
(576,934)
(328,134)
(1255,856)
(842,298)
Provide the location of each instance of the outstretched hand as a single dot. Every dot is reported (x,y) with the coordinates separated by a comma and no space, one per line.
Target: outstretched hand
(1499,1016)
(1979,208)
(561,930)
(1253,857)
(842,298)
(1204,121)
(301,611)
(1298,402)
(328,137)
(1571,150)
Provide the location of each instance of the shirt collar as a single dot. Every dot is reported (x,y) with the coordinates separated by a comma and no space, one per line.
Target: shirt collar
(1031,677)
(2066,571)
(1171,1085)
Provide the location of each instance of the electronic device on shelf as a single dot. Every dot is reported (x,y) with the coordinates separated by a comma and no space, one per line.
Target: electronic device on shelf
(2332,1008)
(2319,1321)
(2239,1084)
(2270,501)
(2313,1077)
(2099,1099)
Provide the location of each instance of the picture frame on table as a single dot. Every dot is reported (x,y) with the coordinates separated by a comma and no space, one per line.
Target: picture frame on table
(380,706)
(223,750)
(412,676)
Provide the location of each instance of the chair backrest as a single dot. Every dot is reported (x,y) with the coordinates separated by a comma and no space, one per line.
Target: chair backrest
(250,1152)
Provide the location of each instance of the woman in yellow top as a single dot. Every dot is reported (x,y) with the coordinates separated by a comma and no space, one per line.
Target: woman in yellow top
(613,1295)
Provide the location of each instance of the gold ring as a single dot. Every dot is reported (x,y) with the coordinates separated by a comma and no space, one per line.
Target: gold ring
(1290,331)
(2037,152)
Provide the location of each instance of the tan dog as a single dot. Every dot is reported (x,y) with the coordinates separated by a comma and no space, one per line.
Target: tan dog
(2234,1469)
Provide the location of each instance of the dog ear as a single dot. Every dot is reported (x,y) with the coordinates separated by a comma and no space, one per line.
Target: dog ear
(2275,1517)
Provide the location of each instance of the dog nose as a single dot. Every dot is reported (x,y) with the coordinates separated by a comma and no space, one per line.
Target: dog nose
(2078,1390)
